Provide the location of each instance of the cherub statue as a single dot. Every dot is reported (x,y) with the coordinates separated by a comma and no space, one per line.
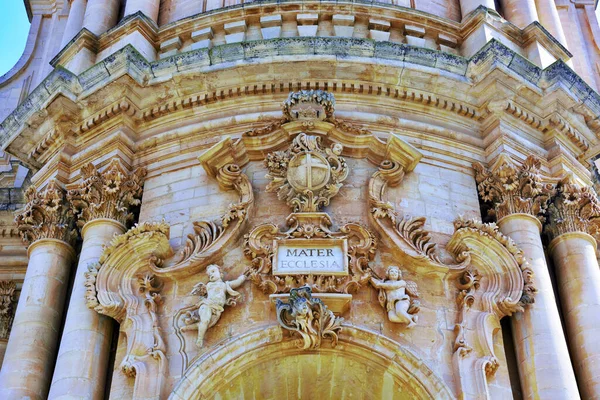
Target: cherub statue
(397,296)
(214,295)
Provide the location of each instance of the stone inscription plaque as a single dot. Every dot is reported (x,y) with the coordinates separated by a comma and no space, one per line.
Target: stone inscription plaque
(306,256)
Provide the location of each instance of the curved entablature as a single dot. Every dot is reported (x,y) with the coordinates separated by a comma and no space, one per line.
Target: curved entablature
(545,107)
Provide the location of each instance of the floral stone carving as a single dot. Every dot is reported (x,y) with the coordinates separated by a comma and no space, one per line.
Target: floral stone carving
(214,296)
(306,176)
(574,209)
(46,215)
(7,309)
(312,227)
(108,194)
(309,318)
(514,189)
(398,297)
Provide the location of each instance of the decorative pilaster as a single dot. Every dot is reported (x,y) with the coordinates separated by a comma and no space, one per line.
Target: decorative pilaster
(46,223)
(574,218)
(7,313)
(102,202)
(520,199)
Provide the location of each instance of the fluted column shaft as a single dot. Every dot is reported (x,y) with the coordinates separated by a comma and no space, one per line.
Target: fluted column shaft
(520,12)
(467,6)
(29,358)
(101,15)
(549,18)
(86,336)
(578,278)
(148,7)
(544,364)
(74,21)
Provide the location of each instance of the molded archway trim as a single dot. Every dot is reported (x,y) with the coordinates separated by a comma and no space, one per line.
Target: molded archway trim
(211,371)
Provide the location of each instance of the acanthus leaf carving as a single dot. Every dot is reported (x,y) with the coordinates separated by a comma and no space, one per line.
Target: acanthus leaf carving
(46,215)
(575,208)
(514,189)
(107,194)
(308,317)
(258,248)
(7,307)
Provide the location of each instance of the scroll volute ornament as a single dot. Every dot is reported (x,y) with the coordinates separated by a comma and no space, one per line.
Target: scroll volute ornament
(7,307)
(514,189)
(574,209)
(107,194)
(47,215)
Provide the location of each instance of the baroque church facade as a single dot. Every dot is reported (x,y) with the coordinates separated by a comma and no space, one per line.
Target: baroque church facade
(301,199)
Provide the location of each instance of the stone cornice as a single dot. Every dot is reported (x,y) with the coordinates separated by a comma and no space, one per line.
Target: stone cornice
(46,215)
(514,189)
(107,194)
(128,62)
(574,209)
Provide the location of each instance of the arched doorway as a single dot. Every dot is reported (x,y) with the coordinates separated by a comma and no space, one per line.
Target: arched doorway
(262,365)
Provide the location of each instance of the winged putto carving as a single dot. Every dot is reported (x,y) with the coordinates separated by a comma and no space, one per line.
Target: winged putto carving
(398,297)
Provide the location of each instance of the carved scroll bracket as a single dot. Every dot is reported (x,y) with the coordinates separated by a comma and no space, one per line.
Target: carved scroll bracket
(407,235)
(498,283)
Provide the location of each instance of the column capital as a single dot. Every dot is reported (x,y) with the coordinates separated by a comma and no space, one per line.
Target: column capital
(109,194)
(574,209)
(512,188)
(7,307)
(47,215)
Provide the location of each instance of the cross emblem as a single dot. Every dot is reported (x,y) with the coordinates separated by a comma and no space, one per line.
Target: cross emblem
(309,171)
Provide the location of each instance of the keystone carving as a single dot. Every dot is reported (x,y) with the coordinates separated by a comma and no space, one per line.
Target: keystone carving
(306,176)
(214,296)
(7,309)
(574,209)
(309,318)
(398,297)
(108,194)
(46,215)
(514,189)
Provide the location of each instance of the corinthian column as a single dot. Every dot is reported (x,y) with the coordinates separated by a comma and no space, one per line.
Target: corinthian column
(102,203)
(574,214)
(46,223)
(519,198)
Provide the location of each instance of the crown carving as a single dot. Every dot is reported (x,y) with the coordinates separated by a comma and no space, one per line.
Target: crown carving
(574,209)
(306,175)
(47,215)
(107,194)
(514,189)
(309,104)
(7,309)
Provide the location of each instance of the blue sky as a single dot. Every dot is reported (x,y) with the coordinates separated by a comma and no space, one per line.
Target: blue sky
(14,27)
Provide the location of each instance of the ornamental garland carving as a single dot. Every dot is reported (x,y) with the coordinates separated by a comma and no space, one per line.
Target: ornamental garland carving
(259,249)
(308,317)
(574,209)
(306,176)
(514,189)
(108,194)
(467,284)
(47,215)
(7,307)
